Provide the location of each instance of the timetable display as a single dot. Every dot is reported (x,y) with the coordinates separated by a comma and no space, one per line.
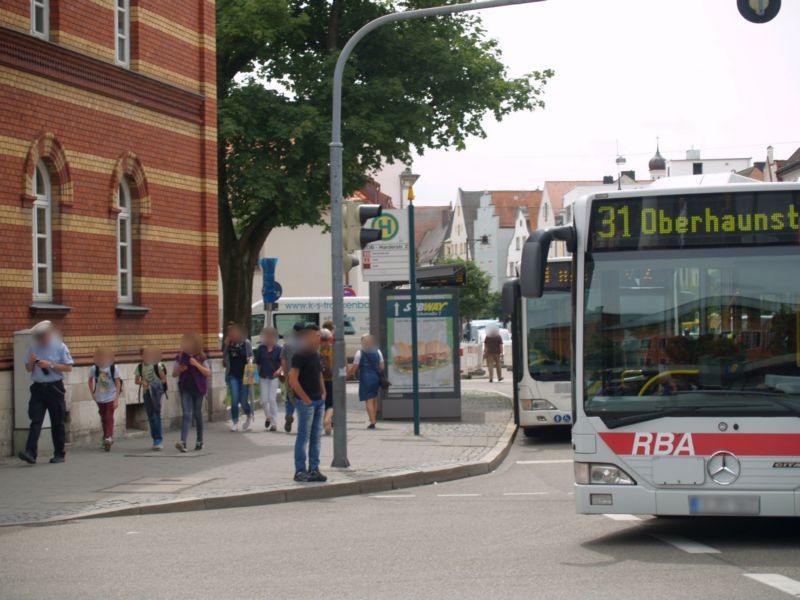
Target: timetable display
(695,220)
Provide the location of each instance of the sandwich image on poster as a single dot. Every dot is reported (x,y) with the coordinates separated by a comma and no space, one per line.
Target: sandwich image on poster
(435,340)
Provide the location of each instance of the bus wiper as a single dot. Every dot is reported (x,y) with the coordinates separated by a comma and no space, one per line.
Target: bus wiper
(772,396)
(649,416)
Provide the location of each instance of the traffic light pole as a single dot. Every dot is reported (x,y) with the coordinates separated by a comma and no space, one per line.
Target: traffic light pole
(336,148)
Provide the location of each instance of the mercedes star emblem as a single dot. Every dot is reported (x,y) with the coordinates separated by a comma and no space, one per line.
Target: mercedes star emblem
(723,467)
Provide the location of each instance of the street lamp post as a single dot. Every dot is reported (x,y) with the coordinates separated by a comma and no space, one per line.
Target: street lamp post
(336,148)
(407,181)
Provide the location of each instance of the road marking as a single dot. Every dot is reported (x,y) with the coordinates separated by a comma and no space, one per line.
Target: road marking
(394,496)
(687,545)
(525,493)
(457,495)
(545,462)
(622,517)
(779,582)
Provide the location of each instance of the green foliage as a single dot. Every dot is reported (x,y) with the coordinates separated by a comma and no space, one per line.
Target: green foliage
(474,295)
(408,87)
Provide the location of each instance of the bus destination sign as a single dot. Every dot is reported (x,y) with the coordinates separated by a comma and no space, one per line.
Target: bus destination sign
(695,221)
(558,275)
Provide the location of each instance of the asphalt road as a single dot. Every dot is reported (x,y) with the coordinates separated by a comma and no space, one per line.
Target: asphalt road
(510,534)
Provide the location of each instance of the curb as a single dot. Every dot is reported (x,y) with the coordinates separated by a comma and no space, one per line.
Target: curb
(385,483)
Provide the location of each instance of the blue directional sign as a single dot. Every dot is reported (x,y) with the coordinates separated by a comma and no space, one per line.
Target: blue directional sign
(271,290)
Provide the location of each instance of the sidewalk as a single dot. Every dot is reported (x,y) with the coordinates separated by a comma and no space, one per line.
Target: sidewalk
(254,467)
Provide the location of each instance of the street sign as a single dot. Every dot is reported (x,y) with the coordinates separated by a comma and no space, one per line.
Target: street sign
(349,292)
(387,259)
(271,290)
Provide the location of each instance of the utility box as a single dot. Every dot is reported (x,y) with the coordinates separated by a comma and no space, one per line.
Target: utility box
(438,342)
(22,395)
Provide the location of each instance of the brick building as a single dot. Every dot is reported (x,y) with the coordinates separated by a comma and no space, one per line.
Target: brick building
(108,212)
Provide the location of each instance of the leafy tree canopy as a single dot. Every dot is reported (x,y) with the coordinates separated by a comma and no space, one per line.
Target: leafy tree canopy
(475,300)
(408,87)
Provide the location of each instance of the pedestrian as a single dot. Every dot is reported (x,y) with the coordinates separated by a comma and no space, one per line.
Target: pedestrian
(268,361)
(305,379)
(192,370)
(326,357)
(493,353)
(368,365)
(151,377)
(290,347)
(105,386)
(236,354)
(47,360)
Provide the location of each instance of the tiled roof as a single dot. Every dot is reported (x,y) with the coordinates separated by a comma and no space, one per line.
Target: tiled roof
(556,190)
(506,204)
(370,193)
(431,228)
(753,172)
(792,162)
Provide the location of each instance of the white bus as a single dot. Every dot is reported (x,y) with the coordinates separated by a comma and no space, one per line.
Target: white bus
(541,350)
(314,310)
(687,354)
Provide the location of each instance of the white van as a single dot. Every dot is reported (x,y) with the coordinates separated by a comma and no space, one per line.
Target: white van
(314,310)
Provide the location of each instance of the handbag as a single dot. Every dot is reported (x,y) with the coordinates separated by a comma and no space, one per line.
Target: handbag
(383,381)
(249,377)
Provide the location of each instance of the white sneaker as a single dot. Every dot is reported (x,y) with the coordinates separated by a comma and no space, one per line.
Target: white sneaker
(247,422)
(235,426)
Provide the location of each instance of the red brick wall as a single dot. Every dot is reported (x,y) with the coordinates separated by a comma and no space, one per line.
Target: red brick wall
(175,226)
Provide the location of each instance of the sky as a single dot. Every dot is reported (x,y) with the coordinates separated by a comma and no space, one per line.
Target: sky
(692,72)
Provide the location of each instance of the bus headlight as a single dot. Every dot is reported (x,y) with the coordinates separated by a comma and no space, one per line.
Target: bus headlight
(601,474)
(536,404)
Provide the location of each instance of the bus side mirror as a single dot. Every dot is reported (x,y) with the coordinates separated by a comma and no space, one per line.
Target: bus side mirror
(534,257)
(510,297)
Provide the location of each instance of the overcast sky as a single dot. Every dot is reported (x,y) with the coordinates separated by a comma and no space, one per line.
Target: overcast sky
(693,72)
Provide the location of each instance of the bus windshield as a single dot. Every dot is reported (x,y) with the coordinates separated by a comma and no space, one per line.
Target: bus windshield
(549,319)
(703,331)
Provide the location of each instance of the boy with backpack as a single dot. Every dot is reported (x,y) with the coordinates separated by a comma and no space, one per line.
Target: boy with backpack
(105,385)
(151,377)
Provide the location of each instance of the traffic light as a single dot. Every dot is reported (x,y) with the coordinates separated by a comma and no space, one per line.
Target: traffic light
(356,236)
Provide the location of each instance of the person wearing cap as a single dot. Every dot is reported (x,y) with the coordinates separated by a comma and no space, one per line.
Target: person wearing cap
(290,348)
(308,385)
(47,360)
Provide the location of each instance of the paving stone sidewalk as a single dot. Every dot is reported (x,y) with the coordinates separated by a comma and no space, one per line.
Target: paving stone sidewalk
(239,463)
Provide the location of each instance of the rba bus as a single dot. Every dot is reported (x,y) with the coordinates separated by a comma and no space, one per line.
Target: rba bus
(541,349)
(686,349)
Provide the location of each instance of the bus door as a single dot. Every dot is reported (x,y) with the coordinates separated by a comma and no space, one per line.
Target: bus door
(512,309)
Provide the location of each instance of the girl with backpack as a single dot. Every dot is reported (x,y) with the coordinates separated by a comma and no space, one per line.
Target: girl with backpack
(105,385)
(368,365)
(268,361)
(192,370)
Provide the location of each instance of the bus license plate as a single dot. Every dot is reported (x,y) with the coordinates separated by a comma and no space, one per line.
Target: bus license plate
(724,505)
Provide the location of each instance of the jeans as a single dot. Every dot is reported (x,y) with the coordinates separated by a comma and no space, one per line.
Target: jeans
(289,400)
(269,391)
(106,410)
(239,393)
(309,432)
(152,406)
(192,405)
(47,397)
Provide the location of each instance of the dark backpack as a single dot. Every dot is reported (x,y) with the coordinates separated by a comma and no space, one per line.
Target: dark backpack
(113,371)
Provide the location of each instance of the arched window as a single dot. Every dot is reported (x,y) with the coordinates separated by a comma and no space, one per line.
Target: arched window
(124,244)
(42,234)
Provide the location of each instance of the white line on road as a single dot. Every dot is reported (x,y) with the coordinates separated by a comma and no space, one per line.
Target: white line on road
(563,461)
(457,495)
(525,493)
(779,582)
(687,545)
(394,496)
(622,517)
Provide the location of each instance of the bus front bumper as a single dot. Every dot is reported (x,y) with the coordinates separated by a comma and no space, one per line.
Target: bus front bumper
(638,500)
(530,419)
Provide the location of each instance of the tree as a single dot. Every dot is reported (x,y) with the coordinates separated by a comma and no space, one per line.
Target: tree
(474,295)
(408,87)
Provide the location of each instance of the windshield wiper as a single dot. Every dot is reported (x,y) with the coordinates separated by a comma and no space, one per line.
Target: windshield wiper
(648,416)
(772,396)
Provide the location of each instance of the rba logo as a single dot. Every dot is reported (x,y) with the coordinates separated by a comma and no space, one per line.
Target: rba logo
(663,444)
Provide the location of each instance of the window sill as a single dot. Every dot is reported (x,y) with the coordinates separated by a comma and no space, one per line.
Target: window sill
(48,309)
(130,310)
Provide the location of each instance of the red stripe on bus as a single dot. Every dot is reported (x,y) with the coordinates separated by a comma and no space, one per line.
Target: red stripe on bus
(628,443)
